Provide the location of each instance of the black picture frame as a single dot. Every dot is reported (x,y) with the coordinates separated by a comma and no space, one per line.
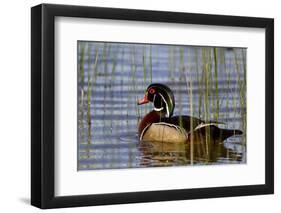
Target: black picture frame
(43,105)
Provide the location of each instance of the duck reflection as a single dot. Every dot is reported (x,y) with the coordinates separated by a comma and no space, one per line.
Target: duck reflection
(199,151)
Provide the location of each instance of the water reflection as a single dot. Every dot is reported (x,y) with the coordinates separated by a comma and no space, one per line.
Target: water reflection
(129,152)
(171,154)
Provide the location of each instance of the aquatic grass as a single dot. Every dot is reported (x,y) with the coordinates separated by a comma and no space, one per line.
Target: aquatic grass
(144,66)
(81,73)
(216,117)
(181,78)
(127,108)
(112,80)
(227,74)
(201,146)
(150,62)
(91,86)
(245,95)
(206,71)
(88,100)
(104,74)
(150,71)
(113,69)
(242,88)
(198,74)
(134,69)
(190,95)
(94,68)
(89,93)
(122,89)
(239,88)
(171,62)
(222,68)
(206,74)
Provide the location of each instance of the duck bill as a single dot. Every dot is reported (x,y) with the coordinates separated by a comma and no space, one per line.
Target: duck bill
(143,101)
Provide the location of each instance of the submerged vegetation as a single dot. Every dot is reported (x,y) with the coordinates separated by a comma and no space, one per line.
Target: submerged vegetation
(208,83)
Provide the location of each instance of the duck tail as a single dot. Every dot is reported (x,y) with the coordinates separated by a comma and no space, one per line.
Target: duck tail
(226,133)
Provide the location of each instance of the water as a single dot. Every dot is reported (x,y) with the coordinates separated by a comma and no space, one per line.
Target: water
(113,76)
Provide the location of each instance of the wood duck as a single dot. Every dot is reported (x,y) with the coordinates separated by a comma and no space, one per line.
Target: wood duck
(160,125)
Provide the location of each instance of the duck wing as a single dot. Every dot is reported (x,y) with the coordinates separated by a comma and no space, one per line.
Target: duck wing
(185,122)
(199,127)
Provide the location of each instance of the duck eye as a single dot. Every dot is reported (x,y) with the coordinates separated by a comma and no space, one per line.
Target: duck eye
(151,91)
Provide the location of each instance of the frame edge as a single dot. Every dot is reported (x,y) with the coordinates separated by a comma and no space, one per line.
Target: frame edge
(269,106)
(36,49)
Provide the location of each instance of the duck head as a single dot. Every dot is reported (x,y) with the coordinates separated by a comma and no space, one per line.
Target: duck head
(162,98)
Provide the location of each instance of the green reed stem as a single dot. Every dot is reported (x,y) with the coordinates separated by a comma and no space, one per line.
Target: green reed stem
(199,82)
(105,68)
(242,88)
(182,74)
(216,84)
(92,83)
(150,62)
(134,69)
(190,94)
(81,78)
(89,93)
(144,64)
(245,93)
(206,71)
(113,69)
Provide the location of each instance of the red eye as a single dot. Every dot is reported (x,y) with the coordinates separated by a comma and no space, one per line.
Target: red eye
(151,91)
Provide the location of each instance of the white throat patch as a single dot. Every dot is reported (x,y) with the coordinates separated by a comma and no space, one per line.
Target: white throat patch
(158,109)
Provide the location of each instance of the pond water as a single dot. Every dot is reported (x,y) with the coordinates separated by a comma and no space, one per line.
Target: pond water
(113,76)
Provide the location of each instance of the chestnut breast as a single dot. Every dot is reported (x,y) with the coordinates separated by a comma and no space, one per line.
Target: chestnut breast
(151,117)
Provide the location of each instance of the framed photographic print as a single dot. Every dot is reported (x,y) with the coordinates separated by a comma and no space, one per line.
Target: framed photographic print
(140,106)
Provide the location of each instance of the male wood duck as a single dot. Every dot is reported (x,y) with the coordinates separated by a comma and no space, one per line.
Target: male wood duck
(160,125)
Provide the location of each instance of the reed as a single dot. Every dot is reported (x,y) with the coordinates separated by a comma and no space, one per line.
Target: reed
(171,62)
(227,74)
(94,68)
(89,122)
(81,72)
(181,79)
(245,95)
(144,65)
(212,101)
(189,87)
(122,87)
(128,97)
(150,62)
(144,68)
(112,80)
(216,117)
(91,85)
(104,75)
(113,69)
(241,87)
(206,75)
(174,65)
(201,146)
(206,70)
(134,83)
(198,74)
